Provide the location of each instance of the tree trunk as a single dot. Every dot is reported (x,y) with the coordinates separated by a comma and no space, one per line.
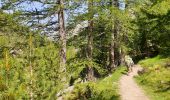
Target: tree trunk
(112,54)
(122,57)
(117,43)
(62,34)
(90,72)
(113,44)
(31,68)
(90,39)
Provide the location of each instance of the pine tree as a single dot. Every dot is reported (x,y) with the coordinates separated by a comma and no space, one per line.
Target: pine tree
(90,74)
(113,45)
(62,37)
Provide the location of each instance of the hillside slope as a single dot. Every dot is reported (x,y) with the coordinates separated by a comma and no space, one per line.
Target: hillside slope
(155,77)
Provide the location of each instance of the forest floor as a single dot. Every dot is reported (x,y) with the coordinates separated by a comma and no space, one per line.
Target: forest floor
(129,90)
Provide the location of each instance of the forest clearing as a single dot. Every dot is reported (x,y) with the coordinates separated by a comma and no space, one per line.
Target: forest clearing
(84,49)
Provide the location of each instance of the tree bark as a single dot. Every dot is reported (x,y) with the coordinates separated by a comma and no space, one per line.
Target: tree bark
(113,44)
(62,39)
(117,43)
(112,53)
(90,73)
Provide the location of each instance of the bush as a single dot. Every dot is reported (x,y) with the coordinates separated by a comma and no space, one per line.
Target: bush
(104,89)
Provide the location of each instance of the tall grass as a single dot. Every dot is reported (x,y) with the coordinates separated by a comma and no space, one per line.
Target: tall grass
(156,77)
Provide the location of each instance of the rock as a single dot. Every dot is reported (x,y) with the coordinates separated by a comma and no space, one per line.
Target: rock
(141,71)
(167,65)
(61,93)
(79,80)
(15,52)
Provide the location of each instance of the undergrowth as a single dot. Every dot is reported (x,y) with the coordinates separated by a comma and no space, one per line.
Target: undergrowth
(155,77)
(103,89)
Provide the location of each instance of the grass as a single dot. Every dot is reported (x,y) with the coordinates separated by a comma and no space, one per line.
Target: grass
(103,89)
(156,77)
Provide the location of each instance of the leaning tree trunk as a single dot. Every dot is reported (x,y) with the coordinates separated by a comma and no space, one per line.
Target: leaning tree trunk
(62,40)
(90,71)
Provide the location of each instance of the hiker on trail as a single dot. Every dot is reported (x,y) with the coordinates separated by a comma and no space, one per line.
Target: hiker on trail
(129,63)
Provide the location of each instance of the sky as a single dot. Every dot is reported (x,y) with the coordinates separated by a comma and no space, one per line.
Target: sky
(36,5)
(0,3)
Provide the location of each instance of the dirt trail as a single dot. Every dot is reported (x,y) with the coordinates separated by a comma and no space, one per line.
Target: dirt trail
(129,90)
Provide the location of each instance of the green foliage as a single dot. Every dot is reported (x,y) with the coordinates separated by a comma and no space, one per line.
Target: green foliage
(142,29)
(78,68)
(104,89)
(153,29)
(15,58)
(9,24)
(45,64)
(155,78)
